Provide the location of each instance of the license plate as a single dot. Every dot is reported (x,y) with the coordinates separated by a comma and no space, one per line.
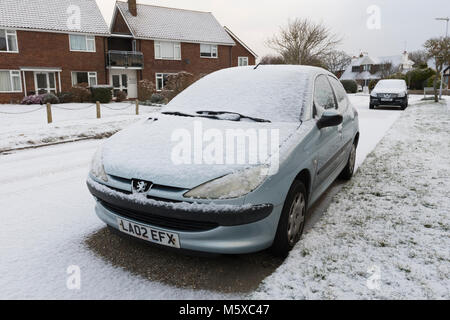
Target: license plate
(164,238)
(387,100)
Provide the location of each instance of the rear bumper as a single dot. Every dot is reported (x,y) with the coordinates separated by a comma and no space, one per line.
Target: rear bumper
(242,230)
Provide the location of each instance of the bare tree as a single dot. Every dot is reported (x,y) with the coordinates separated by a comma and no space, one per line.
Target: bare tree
(337,61)
(420,57)
(271,59)
(438,50)
(303,42)
(387,69)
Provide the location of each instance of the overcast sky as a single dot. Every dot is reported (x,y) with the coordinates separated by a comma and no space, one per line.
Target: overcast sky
(402,22)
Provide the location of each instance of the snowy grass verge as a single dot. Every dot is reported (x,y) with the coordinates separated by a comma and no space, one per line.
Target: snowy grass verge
(26,126)
(386,234)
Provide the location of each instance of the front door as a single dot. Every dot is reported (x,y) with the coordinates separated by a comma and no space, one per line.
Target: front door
(45,82)
(126,81)
(120,83)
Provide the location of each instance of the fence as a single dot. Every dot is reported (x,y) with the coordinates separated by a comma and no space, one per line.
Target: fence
(97,105)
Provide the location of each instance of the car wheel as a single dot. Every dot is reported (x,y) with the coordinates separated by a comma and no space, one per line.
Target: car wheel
(371,106)
(349,169)
(292,220)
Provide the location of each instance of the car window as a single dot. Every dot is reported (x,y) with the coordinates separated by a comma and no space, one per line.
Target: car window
(323,95)
(340,93)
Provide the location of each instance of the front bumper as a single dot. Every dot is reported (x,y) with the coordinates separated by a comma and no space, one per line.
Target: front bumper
(395,101)
(213,229)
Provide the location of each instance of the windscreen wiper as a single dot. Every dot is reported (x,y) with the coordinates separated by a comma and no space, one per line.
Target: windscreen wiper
(241,116)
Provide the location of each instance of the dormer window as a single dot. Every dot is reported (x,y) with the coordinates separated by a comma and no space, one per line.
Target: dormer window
(8,41)
(82,43)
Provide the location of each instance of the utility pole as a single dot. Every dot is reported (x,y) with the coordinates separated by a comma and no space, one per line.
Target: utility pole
(442,71)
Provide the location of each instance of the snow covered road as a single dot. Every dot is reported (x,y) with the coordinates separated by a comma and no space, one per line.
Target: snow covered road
(47,213)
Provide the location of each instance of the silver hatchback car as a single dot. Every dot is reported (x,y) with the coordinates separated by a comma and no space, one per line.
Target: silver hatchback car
(231,164)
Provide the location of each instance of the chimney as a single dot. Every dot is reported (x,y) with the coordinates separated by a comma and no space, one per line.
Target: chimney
(132,7)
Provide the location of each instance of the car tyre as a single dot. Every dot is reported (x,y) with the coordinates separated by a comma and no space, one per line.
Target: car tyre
(405,105)
(292,220)
(371,106)
(349,169)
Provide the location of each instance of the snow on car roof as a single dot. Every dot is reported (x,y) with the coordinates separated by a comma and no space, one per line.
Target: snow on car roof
(391,84)
(275,93)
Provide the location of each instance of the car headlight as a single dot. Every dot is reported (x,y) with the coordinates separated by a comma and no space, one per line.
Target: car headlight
(401,95)
(97,169)
(374,94)
(233,185)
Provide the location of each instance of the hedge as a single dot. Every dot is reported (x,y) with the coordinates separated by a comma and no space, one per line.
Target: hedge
(350,86)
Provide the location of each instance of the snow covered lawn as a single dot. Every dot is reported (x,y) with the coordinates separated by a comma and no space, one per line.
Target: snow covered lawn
(22,126)
(386,234)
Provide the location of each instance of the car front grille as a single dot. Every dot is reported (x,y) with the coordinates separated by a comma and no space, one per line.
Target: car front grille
(388,95)
(161,221)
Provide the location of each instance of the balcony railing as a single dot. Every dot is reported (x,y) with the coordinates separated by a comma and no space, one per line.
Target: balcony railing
(125,59)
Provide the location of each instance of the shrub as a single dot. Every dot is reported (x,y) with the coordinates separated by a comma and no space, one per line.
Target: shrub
(32,99)
(121,96)
(157,98)
(103,94)
(397,75)
(430,81)
(65,97)
(417,78)
(49,98)
(373,83)
(81,93)
(176,83)
(350,86)
(146,89)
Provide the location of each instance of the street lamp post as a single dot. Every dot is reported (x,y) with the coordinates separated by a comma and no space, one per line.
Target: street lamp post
(442,71)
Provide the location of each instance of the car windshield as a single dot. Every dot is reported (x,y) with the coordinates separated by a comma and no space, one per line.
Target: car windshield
(391,84)
(267,93)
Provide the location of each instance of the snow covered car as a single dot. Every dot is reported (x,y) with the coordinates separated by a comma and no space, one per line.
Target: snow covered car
(157,181)
(389,92)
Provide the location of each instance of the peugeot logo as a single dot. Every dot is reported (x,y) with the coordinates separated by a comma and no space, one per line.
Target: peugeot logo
(141,186)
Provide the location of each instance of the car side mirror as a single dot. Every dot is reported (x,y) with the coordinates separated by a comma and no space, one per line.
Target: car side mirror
(330,118)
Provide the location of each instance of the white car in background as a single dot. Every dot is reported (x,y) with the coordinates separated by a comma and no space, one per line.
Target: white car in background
(390,92)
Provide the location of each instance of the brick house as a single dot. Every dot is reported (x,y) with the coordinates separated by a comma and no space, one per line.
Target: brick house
(152,42)
(62,45)
(365,68)
(49,46)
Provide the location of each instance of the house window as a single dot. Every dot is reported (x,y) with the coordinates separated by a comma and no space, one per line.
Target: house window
(366,67)
(84,77)
(161,80)
(82,43)
(355,69)
(242,61)
(167,50)
(8,41)
(208,51)
(10,81)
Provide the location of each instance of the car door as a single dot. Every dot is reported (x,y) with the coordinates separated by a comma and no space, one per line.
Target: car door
(329,140)
(345,109)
